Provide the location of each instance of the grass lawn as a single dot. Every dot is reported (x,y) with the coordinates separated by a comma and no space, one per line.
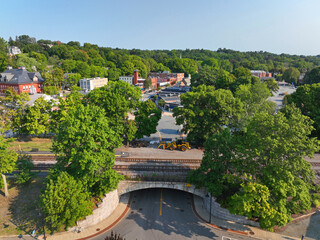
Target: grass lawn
(27,144)
(19,212)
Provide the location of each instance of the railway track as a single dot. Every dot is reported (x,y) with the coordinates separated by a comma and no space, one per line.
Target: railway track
(40,160)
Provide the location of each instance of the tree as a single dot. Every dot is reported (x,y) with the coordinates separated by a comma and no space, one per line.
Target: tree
(312,76)
(207,111)
(291,75)
(73,79)
(183,65)
(253,201)
(207,76)
(147,117)
(117,99)
(12,106)
(241,168)
(51,90)
(306,98)
(8,159)
(161,103)
(64,202)
(36,119)
(147,84)
(255,98)
(4,57)
(31,64)
(85,143)
(24,165)
(272,85)
(224,79)
(242,72)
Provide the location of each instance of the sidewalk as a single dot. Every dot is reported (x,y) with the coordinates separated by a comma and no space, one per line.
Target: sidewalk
(233,227)
(119,213)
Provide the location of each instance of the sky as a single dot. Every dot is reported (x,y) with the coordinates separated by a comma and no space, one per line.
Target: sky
(277,26)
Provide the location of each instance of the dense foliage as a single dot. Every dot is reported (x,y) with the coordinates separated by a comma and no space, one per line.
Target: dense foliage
(53,58)
(258,170)
(307,99)
(64,202)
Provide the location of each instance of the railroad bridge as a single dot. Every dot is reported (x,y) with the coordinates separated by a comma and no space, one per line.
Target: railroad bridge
(172,167)
(136,168)
(152,172)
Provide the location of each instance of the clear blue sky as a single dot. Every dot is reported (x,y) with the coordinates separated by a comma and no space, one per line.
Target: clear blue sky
(278,26)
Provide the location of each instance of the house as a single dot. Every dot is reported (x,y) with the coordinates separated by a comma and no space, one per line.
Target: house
(88,84)
(13,50)
(20,80)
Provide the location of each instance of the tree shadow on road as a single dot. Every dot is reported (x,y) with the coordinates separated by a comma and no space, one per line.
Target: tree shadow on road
(179,220)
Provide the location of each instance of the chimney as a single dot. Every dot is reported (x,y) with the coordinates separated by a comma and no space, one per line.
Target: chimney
(135,76)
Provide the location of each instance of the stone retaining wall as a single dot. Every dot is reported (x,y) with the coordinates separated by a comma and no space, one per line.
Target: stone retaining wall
(105,208)
(111,200)
(223,213)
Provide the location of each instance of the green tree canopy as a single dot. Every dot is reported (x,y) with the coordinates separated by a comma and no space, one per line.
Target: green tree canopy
(84,143)
(265,157)
(8,159)
(64,202)
(36,119)
(306,98)
(207,111)
(312,76)
(117,99)
(147,117)
(291,75)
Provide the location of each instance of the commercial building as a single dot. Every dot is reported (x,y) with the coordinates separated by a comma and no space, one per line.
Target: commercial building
(166,78)
(261,74)
(88,84)
(134,79)
(20,80)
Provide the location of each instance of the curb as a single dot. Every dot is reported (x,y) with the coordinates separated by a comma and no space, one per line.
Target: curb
(213,225)
(111,225)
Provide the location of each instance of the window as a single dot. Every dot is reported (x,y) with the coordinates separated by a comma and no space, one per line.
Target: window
(23,87)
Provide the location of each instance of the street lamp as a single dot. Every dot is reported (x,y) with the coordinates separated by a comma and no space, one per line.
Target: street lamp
(210,206)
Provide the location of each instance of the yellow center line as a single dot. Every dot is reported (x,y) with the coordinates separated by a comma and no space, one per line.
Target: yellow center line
(161,203)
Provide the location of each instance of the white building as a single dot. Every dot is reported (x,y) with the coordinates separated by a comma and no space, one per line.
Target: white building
(13,50)
(128,79)
(88,84)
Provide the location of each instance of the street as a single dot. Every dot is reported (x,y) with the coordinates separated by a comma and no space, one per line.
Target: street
(165,214)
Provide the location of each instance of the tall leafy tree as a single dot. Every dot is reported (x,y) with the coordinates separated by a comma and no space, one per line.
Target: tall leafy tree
(36,119)
(8,159)
(12,106)
(84,143)
(265,158)
(272,85)
(207,111)
(117,99)
(306,98)
(147,117)
(291,75)
(64,202)
(312,76)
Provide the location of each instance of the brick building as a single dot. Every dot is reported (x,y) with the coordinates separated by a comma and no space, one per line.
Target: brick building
(166,78)
(261,74)
(20,80)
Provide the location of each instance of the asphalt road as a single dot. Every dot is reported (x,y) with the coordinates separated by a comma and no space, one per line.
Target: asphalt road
(160,214)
